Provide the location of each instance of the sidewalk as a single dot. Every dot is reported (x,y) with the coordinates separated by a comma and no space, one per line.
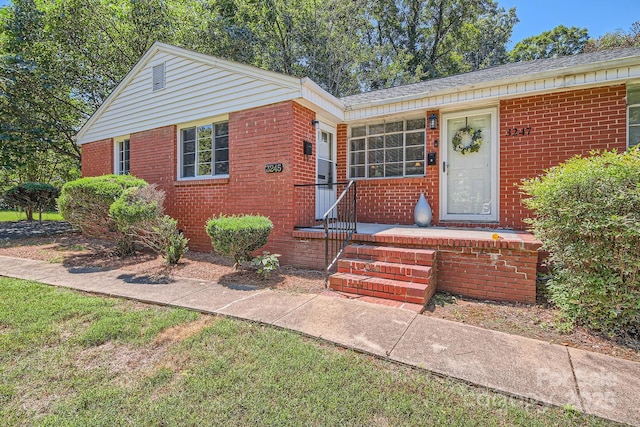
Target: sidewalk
(530,369)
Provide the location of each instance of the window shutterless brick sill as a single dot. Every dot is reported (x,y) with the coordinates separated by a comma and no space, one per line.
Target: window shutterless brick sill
(201,182)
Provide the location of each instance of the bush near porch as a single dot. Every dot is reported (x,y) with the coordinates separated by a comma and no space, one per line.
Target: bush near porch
(587,214)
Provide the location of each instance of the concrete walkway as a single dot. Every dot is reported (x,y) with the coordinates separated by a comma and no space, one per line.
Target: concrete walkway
(523,367)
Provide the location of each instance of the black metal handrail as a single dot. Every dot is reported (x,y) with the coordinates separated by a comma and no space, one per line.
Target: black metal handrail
(311,202)
(340,222)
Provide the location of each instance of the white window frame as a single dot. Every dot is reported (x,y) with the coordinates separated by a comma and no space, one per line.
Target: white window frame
(635,89)
(118,163)
(404,146)
(180,128)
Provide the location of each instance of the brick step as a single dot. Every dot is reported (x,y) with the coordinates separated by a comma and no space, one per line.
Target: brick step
(425,257)
(417,293)
(387,270)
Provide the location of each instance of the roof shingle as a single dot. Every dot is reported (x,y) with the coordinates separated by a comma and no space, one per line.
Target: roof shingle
(516,69)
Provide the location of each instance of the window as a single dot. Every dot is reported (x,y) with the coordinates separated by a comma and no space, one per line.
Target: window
(122,157)
(633,102)
(387,149)
(204,150)
(158,77)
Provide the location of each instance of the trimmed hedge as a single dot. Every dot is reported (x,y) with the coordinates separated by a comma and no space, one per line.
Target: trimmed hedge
(139,215)
(587,214)
(237,236)
(85,202)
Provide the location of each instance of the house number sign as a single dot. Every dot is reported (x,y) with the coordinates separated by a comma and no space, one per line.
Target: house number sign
(519,131)
(273,168)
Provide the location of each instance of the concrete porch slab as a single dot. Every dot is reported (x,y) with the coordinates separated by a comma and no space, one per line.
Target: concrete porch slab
(608,386)
(371,328)
(509,363)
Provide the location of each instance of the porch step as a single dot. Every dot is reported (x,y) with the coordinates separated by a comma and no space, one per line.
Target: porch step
(387,270)
(417,293)
(400,274)
(407,256)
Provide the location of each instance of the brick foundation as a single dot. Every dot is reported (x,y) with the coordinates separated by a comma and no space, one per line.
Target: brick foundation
(503,270)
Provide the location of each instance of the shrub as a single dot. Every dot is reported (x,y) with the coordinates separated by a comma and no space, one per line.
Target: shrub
(85,202)
(32,197)
(139,216)
(237,236)
(266,263)
(168,240)
(587,214)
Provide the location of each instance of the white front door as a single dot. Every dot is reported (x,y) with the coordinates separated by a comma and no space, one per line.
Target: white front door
(469,170)
(325,170)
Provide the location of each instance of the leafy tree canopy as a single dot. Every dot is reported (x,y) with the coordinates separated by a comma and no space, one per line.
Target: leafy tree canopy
(616,39)
(561,41)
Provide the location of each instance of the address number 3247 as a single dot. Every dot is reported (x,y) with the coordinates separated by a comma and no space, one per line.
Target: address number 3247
(519,131)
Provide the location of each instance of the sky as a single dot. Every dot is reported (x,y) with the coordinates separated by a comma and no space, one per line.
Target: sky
(599,17)
(536,16)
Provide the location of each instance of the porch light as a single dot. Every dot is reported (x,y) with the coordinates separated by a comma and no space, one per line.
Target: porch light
(433,121)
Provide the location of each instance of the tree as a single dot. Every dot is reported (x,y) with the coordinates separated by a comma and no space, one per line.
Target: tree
(615,40)
(417,40)
(32,196)
(561,41)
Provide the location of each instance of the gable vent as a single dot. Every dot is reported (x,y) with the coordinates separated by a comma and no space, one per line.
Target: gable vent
(158,77)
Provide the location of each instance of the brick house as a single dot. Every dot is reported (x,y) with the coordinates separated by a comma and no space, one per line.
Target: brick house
(222,137)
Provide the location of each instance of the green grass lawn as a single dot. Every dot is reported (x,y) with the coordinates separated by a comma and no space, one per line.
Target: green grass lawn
(20,216)
(70,359)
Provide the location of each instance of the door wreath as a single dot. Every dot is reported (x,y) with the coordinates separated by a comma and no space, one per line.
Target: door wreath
(467,140)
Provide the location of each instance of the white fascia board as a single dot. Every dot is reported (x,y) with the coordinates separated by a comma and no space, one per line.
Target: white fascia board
(317,96)
(557,73)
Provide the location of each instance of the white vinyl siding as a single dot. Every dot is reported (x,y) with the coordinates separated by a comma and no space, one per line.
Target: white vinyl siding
(633,101)
(194,91)
(204,150)
(395,148)
(122,157)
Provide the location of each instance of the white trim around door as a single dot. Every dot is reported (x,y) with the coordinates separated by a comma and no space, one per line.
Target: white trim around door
(325,169)
(469,181)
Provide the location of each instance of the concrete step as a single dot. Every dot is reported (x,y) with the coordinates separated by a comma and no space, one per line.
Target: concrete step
(417,293)
(409,256)
(387,270)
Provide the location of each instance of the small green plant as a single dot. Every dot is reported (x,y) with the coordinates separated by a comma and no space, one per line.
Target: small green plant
(587,215)
(32,197)
(266,263)
(237,236)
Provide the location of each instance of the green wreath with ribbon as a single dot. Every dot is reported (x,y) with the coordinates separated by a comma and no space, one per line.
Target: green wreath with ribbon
(467,140)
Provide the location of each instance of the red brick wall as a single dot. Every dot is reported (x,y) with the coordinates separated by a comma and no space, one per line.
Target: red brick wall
(270,134)
(562,124)
(483,269)
(97,158)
